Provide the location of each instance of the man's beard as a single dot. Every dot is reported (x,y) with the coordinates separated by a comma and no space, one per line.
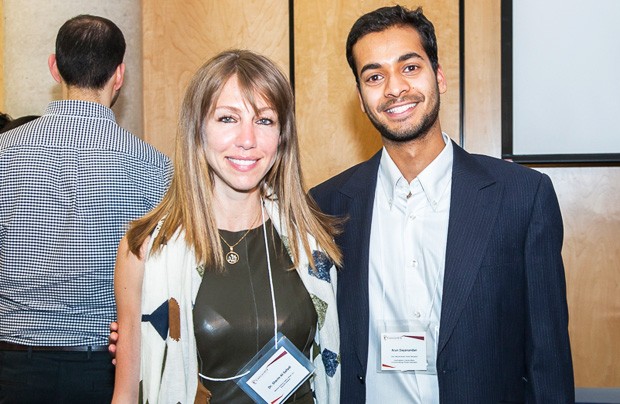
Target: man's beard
(418,131)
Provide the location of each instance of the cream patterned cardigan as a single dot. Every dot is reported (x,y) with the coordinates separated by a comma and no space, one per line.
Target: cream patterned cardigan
(169,365)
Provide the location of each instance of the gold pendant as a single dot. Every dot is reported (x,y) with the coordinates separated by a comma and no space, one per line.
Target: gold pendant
(232,257)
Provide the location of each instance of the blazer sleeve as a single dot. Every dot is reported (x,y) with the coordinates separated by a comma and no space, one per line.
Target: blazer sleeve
(548,355)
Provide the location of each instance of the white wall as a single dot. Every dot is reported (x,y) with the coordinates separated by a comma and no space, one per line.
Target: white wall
(565,77)
(30,28)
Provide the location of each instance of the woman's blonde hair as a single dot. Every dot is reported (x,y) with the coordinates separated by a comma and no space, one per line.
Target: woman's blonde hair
(188,204)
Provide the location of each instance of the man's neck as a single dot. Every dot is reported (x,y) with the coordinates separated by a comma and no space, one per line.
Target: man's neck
(414,156)
(85,94)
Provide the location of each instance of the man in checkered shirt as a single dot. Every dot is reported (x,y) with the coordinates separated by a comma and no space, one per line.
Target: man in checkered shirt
(70,181)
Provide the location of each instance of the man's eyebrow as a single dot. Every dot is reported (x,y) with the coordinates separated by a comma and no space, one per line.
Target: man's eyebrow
(406,56)
(410,55)
(370,66)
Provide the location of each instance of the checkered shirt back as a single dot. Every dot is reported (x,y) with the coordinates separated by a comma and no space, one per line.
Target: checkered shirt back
(70,182)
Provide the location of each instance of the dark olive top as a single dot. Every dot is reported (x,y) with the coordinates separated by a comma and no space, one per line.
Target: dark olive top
(233,314)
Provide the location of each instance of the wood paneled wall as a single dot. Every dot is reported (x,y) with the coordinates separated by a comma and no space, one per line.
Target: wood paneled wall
(178,37)
(589,200)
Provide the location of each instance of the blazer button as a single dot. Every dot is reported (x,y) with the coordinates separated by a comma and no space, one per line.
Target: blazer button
(361,379)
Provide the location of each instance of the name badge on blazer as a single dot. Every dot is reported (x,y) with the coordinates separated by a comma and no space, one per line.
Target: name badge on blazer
(408,346)
(402,351)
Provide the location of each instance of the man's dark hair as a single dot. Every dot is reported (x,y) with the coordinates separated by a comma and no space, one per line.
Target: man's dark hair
(88,51)
(17,122)
(388,17)
(4,120)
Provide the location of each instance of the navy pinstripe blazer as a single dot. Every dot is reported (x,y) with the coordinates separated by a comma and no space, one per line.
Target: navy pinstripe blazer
(504,322)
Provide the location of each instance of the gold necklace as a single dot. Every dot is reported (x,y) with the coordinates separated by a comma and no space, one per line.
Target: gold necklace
(231,256)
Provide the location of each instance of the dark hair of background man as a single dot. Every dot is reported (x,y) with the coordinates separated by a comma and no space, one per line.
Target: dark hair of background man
(88,51)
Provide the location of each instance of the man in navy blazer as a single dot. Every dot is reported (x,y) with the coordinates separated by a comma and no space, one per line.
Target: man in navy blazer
(454,257)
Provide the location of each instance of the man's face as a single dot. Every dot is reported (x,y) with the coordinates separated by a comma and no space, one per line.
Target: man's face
(398,89)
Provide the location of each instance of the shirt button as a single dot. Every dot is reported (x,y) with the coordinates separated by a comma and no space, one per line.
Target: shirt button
(412,217)
(417,314)
(414,264)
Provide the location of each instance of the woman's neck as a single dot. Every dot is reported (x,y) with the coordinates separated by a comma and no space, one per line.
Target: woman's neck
(236,214)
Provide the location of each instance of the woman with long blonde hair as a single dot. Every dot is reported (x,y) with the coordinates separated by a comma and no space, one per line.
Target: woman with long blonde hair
(235,254)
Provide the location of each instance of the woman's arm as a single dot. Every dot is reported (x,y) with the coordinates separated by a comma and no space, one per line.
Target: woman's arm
(128,276)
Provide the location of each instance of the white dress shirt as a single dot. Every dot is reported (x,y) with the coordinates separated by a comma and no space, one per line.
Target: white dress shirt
(407,262)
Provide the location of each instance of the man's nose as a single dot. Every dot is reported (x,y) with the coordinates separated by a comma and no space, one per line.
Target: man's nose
(396,86)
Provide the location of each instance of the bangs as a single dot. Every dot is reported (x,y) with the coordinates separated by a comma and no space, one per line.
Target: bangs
(256,88)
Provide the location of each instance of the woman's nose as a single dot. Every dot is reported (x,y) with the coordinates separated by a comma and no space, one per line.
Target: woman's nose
(246,138)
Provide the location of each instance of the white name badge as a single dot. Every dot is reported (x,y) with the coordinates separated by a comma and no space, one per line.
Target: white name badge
(276,373)
(403,351)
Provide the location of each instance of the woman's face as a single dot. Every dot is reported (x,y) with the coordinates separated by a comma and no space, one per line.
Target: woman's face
(241,144)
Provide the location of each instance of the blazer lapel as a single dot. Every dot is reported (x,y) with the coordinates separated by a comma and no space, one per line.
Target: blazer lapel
(474,204)
(359,191)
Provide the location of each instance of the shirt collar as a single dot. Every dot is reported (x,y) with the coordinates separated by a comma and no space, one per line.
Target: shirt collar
(80,108)
(434,179)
